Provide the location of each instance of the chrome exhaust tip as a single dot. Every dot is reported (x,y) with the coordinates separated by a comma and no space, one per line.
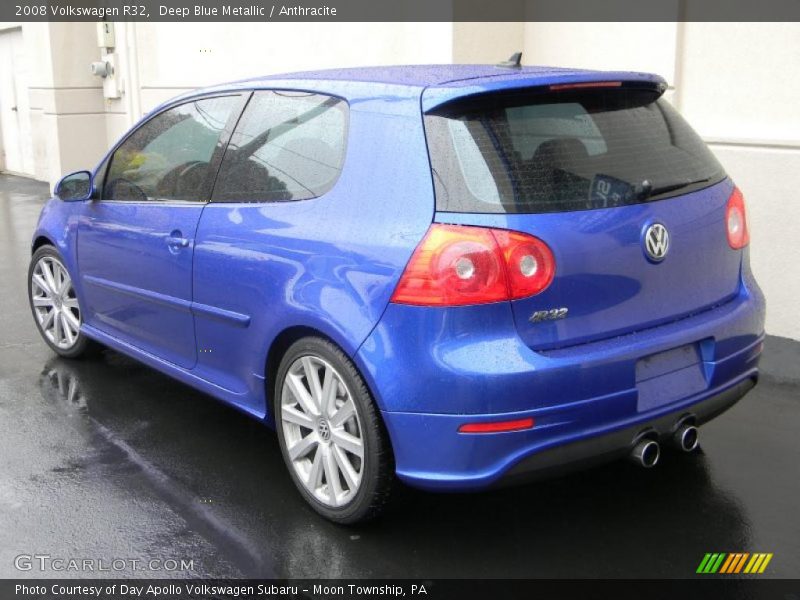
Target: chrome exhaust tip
(646,453)
(686,438)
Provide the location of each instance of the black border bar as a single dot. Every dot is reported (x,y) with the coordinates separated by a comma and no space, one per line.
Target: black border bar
(700,588)
(399,10)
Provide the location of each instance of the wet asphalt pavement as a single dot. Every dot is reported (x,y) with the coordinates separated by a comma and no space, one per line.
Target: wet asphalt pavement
(105,458)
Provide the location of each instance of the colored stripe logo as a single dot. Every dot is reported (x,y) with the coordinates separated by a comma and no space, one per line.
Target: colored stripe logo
(734,562)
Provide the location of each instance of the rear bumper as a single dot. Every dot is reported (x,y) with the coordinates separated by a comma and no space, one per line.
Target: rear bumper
(443,459)
(616,444)
(432,371)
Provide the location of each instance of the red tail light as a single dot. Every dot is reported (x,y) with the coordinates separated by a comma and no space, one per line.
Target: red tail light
(530,265)
(456,265)
(736,221)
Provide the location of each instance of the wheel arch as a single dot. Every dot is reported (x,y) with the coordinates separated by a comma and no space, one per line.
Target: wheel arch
(42,240)
(280,344)
(278,348)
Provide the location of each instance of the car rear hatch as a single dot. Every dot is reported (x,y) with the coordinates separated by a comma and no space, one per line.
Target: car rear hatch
(626,195)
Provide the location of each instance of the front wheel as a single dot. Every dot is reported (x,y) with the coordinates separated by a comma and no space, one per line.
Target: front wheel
(330,433)
(54,304)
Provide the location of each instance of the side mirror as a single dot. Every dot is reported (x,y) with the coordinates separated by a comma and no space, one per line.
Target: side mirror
(75,186)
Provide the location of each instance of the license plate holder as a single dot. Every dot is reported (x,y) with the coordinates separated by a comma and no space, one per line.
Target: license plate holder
(669,376)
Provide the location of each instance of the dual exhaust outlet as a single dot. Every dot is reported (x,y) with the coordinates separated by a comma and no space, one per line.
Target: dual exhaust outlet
(647,452)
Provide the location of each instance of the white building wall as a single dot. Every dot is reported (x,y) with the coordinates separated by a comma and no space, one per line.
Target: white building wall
(740,87)
(625,46)
(173,58)
(73,124)
(67,110)
(736,83)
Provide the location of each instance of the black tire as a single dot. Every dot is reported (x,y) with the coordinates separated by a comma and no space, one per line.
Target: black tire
(377,476)
(82,346)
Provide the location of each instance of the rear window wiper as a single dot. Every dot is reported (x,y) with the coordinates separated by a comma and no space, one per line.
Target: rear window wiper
(646,189)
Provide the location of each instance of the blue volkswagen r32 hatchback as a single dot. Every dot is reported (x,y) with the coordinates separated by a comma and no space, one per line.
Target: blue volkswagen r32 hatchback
(448,275)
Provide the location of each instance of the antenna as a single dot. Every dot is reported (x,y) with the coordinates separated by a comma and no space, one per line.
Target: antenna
(513,61)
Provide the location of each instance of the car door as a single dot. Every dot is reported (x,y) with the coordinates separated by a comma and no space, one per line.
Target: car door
(136,240)
(263,249)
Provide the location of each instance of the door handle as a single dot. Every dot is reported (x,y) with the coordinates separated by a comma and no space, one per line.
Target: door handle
(14,109)
(177,242)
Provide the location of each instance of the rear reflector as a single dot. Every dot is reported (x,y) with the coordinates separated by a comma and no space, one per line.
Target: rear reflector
(456,265)
(497,426)
(736,221)
(585,84)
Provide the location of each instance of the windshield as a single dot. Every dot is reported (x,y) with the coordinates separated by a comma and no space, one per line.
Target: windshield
(535,152)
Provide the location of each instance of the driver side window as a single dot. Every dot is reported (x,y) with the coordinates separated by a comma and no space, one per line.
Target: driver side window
(169,156)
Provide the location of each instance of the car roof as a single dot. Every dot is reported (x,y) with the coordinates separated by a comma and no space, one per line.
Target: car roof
(417,75)
(437,84)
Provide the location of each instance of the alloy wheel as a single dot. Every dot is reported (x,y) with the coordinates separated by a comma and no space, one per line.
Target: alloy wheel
(322,431)
(55,303)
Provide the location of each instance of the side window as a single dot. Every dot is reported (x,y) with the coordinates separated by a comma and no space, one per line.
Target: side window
(168,157)
(286,146)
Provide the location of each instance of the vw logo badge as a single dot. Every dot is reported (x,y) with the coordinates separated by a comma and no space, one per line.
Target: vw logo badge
(656,242)
(324,430)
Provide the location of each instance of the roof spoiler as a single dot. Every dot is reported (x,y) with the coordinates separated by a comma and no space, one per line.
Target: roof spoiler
(437,96)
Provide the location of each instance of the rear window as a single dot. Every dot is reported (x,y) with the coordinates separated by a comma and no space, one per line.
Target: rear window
(537,152)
